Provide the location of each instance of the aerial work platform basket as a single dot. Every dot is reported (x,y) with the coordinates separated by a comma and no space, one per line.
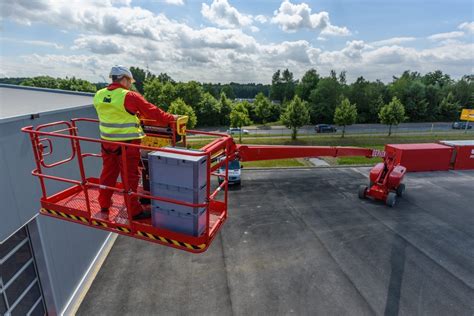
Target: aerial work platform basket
(181,225)
(78,203)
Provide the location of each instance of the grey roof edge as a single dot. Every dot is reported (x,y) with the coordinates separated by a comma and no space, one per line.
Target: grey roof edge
(30,116)
(37,115)
(85,94)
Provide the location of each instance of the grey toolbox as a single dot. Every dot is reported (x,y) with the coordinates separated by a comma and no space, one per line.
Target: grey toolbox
(183,178)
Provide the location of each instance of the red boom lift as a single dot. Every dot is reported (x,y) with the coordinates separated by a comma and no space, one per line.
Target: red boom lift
(78,203)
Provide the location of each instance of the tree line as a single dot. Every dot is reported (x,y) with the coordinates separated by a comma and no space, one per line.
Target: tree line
(434,96)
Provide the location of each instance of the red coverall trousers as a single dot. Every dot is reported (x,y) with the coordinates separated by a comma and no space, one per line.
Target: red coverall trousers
(112,167)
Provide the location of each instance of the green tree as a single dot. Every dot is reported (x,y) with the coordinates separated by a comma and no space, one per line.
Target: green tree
(226,108)
(308,82)
(168,94)
(180,107)
(72,84)
(449,108)
(324,99)
(164,77)
(345,114)
(392,114)
(263,108)
(41,82)
(463,91)
(229,91)
(159,93)
(153,92)
(191,92)
(239,116)
(411,91)
(277,88)
(289,85)
(366,95)
(139,75)
(437,78)
(75,84)
(295,115)
(208,110)
(251,110)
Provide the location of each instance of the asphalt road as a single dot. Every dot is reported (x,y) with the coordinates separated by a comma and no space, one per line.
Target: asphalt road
(354,129)
(301,242)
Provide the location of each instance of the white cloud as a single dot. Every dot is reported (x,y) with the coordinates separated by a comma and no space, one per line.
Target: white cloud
(445,36)
(261,19)
(292,17)
(93,15)
(393,41)
(113,33)
(221,13)
(175,2)
(99,44)
(120,2)
(254,29)
(467,27)
(32,42)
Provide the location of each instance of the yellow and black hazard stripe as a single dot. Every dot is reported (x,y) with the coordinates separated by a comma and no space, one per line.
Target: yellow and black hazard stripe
(171,241)
(62,214)
(123,229)
(98,223)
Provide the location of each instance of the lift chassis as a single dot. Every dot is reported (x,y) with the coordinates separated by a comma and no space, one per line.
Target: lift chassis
(78,202)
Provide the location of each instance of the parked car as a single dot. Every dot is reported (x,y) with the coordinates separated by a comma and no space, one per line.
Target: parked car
(234,172)
(236,130)
(461,125)
(325,128)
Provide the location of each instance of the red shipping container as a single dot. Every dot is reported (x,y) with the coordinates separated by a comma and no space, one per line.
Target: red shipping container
(463,155)
(421,157)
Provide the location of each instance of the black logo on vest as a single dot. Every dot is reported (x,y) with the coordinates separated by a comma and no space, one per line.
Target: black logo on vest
(107,99)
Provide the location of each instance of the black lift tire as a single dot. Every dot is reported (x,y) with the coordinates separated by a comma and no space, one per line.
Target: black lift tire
(363,191)
(401,189)
(391,199)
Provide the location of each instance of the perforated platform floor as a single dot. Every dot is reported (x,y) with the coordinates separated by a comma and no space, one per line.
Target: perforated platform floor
(117,211)
(301,242)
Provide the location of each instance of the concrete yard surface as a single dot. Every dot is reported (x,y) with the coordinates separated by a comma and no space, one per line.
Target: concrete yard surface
(299,241)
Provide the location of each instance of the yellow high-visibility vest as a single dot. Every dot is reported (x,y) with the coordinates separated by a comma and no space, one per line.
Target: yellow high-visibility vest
(116,123)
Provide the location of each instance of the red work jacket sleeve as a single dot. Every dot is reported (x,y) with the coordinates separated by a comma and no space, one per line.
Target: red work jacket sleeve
(136,103)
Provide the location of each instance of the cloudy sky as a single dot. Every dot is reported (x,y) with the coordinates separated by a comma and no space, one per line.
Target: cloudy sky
(240,41)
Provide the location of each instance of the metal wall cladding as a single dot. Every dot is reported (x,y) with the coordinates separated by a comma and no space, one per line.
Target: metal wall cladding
(463,154)
(183,178)
(421,157)
(66,249)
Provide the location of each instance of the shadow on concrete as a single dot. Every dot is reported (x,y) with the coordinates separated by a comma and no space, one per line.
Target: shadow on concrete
(397,263)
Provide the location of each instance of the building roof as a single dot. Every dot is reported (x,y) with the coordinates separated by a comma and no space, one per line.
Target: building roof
(301,242)
(20,101)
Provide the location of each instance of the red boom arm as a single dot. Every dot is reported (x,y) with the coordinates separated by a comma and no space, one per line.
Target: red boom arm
(268,152)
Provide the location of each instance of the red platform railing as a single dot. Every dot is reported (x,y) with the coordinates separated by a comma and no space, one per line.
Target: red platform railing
(41,138)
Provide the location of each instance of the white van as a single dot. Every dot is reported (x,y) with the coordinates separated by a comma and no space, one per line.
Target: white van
(234,172)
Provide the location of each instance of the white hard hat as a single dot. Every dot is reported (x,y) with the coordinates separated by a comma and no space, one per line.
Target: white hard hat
(120,71)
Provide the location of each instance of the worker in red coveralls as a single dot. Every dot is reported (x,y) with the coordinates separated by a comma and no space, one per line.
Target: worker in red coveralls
(118,108)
